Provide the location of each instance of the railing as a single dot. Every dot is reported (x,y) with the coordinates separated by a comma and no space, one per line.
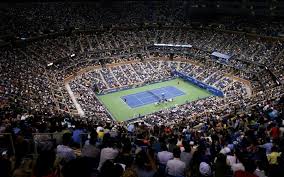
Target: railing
(38,141)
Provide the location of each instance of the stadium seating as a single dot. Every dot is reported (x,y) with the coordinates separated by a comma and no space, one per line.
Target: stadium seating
(56,58)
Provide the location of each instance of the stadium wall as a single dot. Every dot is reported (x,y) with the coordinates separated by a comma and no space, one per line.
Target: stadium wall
(198,83)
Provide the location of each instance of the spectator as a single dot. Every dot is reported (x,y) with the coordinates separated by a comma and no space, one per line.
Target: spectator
(221,167)
(164,156)
(176,167)
(186,155)
(90,148)
(44,164)
(108,153)
(273,156)
(125,157)
(144,165)
(204,169)
(129,173)
(249,170)
(275,132)
(77,135)
(64,153)
(5,165)
(109,169)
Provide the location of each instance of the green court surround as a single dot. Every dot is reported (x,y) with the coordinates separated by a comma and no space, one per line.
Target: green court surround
(122,112)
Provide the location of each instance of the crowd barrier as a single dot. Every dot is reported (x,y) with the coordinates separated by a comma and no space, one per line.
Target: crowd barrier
(44,141)
(199,83)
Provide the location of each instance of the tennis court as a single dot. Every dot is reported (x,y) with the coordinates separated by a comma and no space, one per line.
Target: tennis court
(122,111)
(151,96)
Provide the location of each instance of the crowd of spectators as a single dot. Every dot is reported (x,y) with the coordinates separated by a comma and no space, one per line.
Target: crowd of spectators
(71,53)
(246,142)
(36,19)
(254,59)
(238,135)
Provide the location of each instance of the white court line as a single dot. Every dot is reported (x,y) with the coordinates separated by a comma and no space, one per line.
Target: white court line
(175,95)
(151,96)
(122,98)
(135,95)
(138,99)
(165,91)
(143,103)
(143,98)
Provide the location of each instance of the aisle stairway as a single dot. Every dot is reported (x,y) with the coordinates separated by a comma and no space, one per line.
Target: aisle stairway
(103,79)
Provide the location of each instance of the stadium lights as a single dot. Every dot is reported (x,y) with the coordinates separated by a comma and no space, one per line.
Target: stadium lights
(172,45)
(50,64)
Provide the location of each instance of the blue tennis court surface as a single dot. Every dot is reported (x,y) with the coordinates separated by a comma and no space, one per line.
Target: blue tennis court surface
(151,96)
